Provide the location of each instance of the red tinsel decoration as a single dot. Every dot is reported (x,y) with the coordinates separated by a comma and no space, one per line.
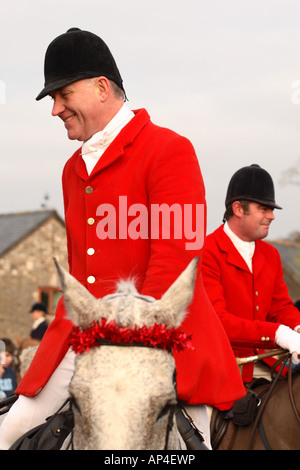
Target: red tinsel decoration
(156,336)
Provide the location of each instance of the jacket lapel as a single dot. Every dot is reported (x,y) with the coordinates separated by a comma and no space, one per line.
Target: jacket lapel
(232,255)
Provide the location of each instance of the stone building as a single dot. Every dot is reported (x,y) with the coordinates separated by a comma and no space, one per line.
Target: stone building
(28,243)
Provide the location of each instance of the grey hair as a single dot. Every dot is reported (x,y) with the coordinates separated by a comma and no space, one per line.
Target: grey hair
(117,91)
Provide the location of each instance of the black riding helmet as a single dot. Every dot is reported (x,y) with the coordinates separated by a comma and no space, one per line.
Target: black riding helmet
(251,183)
(76,55)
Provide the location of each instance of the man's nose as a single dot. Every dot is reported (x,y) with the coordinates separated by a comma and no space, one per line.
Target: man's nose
(58,106)
(271,214)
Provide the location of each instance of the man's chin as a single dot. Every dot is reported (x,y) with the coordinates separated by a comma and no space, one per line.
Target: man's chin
(265,232)
(74,136)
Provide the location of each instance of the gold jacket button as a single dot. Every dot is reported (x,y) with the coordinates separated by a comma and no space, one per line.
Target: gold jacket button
(91,221)
(91,279)
(263,338)
(89,190)
(91,251)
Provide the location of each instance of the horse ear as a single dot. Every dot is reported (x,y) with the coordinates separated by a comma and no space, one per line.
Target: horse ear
(83,308)
(171,308)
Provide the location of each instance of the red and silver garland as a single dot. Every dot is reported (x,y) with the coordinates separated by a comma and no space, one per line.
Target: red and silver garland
(156,336)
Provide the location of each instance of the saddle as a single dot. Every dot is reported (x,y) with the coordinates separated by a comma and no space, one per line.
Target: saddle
(243,413)
(50,435)
(53,434)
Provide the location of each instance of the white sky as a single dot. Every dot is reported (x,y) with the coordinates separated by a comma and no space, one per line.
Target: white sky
(219,72)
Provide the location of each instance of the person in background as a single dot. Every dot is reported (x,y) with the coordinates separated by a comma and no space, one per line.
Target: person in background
(243,274)
(10,352)
(39,325)
(8,377)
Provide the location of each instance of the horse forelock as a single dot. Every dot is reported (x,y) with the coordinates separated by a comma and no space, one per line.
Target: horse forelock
(126,287)
(127,306)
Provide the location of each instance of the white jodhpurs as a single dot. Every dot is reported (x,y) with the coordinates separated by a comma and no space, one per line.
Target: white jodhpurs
(26,413)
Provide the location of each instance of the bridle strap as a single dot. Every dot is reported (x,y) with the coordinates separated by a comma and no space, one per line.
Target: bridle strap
(263,403)
(170,425)
(107,342)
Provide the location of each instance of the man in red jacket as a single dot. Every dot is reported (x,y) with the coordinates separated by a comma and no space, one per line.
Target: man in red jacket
(243,275)
(125,165)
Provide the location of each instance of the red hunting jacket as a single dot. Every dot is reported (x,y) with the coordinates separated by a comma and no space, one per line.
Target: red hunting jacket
(149,165)
(250,306)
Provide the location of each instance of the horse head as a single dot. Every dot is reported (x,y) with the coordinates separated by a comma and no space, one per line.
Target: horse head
(123,395)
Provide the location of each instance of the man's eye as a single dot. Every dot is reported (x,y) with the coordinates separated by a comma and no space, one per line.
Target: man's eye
(66,93)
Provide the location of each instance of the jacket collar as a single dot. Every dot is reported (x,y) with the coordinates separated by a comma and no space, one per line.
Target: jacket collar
(94,148)
(233,256)
(116,149)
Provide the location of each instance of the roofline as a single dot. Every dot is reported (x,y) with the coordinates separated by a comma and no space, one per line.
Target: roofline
(52,213)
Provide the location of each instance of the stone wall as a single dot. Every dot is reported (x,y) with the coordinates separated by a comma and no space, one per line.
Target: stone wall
(23,269)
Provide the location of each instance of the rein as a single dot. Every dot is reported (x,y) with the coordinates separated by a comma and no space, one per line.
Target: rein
(264,402)
(290,385)
(258,422)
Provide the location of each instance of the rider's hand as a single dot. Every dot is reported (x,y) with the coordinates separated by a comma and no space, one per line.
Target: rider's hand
(288,339)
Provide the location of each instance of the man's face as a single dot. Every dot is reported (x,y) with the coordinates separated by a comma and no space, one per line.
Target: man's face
(79,106)
(36,314)
(254,224)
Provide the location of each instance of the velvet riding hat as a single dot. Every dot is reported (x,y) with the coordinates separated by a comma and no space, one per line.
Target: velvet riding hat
(39,306)
(251,183)
(76,55)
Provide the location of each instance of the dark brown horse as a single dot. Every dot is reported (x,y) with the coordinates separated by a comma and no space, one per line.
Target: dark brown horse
(276,423)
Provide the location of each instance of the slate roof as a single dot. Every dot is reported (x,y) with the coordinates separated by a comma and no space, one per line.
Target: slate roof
(15,226)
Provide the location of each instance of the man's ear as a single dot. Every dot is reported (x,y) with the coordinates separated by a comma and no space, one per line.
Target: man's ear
(103,88)
(237,209)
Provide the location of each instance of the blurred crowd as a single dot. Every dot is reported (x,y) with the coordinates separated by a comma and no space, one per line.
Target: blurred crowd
(18,354)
